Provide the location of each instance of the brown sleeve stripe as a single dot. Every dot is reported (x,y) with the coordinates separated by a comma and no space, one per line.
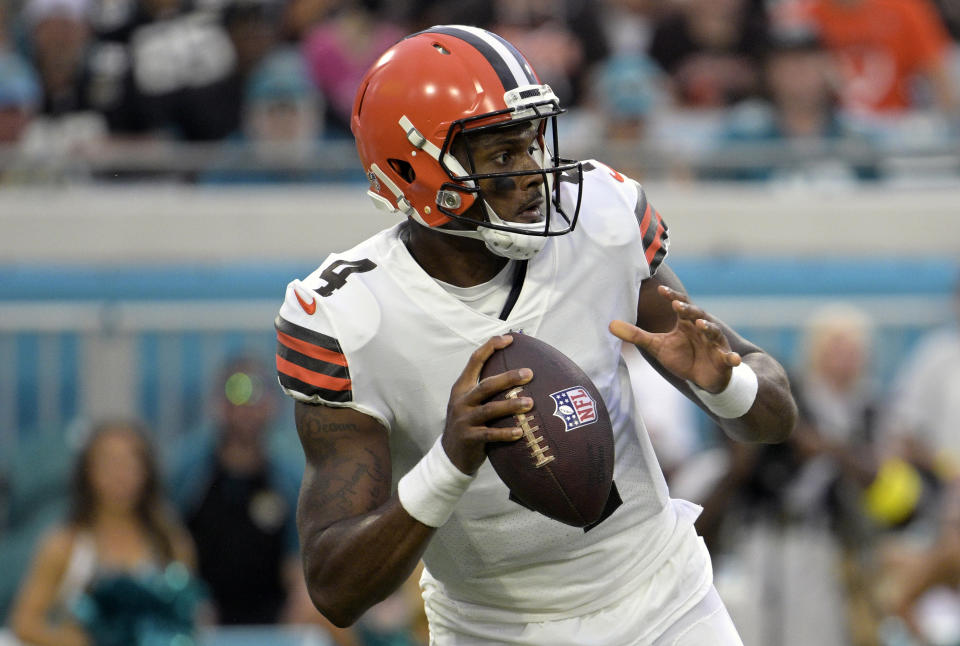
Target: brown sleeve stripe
(318,381)
(316,365)
(652,241)
(311,363)
(654,232)
(657,251)
(649,225)
(310,336)
(310,350)
(307,390)
(640,210)
(661,252)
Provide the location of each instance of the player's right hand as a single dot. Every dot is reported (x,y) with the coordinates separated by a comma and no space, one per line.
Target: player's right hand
(466,433)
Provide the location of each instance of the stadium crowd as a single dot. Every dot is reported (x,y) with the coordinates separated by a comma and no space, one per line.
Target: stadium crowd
(83,79)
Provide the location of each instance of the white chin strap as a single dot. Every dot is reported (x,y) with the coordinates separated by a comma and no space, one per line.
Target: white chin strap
(510,244)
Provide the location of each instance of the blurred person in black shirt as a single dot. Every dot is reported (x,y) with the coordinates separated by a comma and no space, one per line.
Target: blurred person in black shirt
(563,39)
(238,498)
(712,50)
(163,69)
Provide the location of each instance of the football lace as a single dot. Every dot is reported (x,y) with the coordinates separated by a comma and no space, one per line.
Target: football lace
(536,444)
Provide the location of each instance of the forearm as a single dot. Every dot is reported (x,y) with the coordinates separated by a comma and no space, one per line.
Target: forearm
(359,561)
(773,415)
(687,345)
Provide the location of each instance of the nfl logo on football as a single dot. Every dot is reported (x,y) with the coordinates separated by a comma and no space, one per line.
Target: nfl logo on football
(575,407)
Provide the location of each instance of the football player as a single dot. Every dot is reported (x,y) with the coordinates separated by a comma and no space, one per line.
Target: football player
(383,344)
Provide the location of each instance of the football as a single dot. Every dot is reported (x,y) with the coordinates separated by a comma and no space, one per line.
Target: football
(562,466)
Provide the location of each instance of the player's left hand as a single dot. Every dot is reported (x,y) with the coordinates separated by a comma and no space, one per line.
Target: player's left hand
(695,349)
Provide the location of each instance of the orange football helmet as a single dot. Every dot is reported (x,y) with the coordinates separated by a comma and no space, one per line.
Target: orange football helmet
(433,87)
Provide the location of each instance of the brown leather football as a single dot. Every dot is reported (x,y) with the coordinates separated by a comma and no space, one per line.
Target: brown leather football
(562,466)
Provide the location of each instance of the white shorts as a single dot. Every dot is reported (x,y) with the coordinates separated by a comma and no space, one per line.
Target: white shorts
(676,605)
(705,624)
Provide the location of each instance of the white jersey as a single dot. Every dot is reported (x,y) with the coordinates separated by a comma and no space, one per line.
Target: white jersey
(370,330)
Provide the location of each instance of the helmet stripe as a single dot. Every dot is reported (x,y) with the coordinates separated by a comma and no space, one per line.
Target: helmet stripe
(509,64)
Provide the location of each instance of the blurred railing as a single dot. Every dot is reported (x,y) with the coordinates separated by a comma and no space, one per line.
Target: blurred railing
(155,358)
(918,147)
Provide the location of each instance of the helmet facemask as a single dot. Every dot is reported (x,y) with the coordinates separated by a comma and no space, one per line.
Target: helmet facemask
(518,240)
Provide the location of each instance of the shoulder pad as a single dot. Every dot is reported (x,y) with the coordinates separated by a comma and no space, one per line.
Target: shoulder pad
(609,201)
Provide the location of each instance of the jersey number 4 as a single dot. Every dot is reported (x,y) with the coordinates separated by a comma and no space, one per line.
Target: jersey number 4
(336,274)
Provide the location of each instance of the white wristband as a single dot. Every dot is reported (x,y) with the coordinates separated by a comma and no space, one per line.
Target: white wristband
(734,400)
(431,489)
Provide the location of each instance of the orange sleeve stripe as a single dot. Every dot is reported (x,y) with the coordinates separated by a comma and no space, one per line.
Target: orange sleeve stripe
(310,350)
(645,221)
(313,378)
(651,251)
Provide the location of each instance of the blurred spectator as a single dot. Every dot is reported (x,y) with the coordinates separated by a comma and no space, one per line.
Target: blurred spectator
(563,40)
(281,104)
(254,29)
(920,583)
(238,490)
(629,89)
(925,406)
(282,123)
(339,51)
(836,445)
(799,114)
(950,13)
(59,38)
(893,54)
(301,16)
(427,13)
(19,97)
(629,24)
(238,498)
(158,74)
(921,427)
(712,50)
(119,539)
(793,552)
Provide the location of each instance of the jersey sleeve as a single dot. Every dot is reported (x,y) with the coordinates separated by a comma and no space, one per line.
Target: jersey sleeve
(653,231)
(311,365)
(616,194)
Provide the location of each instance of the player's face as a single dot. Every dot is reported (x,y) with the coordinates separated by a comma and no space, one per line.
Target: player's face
(515,199)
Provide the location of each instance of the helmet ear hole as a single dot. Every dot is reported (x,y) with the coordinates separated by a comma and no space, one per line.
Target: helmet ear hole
(403,169)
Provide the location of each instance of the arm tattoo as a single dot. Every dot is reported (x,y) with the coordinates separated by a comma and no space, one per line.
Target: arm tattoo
(349,485)
(349,476)
(313,426)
